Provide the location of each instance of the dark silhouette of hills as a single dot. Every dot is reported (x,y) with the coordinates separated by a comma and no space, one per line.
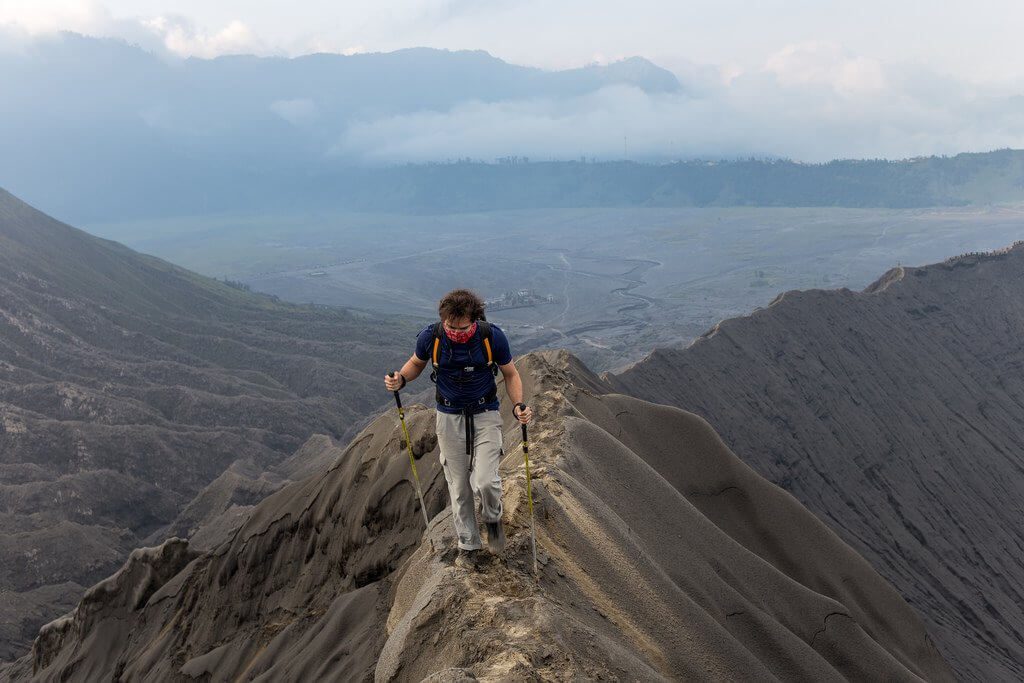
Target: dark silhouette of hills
(894,414)
(472,186)
(662,557)
(128,385)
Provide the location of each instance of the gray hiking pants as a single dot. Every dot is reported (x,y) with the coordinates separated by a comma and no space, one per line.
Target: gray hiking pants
(483,480)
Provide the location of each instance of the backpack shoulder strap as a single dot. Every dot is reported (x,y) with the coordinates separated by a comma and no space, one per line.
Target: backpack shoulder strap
(436,353)
(486,334)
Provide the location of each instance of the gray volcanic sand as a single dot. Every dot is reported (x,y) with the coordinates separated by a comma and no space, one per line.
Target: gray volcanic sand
(662,556)
(638,582)
(128,385)
(895,414)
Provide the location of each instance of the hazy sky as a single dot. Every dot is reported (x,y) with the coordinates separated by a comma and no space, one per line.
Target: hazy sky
(978,41)
(807,79)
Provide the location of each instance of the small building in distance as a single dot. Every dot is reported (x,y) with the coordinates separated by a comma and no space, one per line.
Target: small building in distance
(518,298)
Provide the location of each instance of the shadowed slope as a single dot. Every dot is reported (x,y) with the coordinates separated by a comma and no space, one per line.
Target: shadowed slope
(296,593)
(128,384)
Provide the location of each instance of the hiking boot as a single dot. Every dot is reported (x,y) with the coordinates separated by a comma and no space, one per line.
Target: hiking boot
(495,537)
(469,559)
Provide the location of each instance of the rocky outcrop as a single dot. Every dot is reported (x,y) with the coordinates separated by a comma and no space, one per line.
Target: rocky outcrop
(101,608)
(894,414)
(661,556)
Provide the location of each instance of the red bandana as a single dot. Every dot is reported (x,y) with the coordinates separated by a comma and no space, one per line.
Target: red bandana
(463,336)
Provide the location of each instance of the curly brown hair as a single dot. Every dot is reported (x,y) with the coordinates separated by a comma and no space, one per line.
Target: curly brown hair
(460,303)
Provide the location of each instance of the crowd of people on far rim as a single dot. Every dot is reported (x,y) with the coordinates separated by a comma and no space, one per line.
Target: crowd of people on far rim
(983,254)
(466,353)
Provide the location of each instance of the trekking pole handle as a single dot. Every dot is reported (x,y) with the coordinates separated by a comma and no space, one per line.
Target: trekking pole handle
(398,399)
(522,407)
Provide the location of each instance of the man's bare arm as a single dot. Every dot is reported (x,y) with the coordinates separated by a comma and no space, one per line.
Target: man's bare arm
(514,388)
(411,370)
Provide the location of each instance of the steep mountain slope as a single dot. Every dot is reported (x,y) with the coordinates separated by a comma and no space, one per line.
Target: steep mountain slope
(895,414)
(128,384)
(662,556)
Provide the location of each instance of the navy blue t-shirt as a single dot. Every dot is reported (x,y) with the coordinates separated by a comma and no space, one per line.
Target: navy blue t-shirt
(463,387)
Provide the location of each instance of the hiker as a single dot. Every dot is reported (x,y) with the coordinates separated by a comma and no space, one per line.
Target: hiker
(466,352)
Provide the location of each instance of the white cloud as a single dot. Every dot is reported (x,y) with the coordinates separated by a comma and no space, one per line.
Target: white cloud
(813,114)
(81,16)
(591,125)
(181,37)
(174,34)
(827,64)
(22,24)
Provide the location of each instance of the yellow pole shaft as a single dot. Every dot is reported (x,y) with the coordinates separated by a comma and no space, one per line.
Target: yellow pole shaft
(529,499)
(412,463)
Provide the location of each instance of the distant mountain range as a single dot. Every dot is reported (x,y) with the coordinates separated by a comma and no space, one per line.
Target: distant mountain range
(197,134)
(894,414)
(129,385)
(98,130)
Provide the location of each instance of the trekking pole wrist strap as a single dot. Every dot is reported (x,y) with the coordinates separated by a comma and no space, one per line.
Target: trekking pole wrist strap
(521,407)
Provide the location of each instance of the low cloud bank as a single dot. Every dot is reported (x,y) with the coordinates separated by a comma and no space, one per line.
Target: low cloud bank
(810,102)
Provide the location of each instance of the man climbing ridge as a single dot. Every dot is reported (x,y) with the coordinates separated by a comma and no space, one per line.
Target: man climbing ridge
(466,352)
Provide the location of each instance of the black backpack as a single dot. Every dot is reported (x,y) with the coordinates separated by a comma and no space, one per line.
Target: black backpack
(483,328)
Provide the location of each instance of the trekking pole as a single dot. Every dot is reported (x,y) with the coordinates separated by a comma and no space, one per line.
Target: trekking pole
(529,498)
(412,460)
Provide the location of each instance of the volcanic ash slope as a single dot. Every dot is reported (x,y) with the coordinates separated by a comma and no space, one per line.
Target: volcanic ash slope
(894,414)
(661,556)
(129,385)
